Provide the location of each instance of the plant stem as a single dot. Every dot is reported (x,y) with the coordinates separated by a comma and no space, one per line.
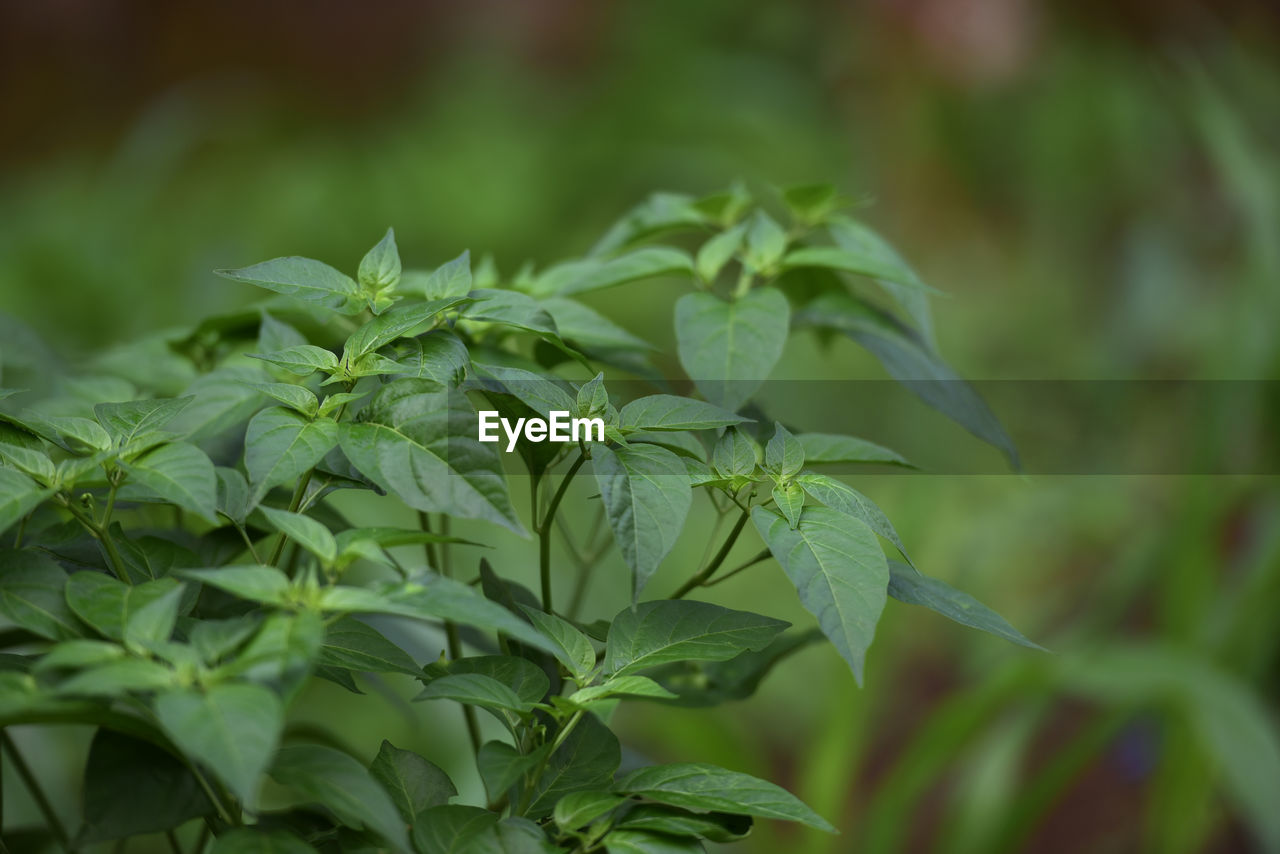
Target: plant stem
(452,639)
(299,493)
(544,531)
(209,793)
(101,535)
(701,578)
(527,798)
(37,794)
(173,841)
(762,556)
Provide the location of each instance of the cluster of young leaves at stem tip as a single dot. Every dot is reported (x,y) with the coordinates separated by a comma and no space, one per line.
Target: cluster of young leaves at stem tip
(174,572)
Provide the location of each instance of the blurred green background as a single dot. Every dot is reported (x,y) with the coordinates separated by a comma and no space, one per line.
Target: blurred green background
(1096,185)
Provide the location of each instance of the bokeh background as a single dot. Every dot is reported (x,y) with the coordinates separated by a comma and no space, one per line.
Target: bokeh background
(1095,184)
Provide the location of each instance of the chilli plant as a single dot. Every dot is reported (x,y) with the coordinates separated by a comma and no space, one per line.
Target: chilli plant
(176,568)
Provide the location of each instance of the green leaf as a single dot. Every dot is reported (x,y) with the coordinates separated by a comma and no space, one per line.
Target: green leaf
(281,654)
(569,645)
(413,783)
(658,213)
(587,759)
(509,308)
(32,594)
(78,654)
(729,348)
(766,241)
(302,359)
(457,829)
(151,624)
(579,809)
(231,728)
(642,842)
(699,786)
(380,267)
(353,645)
(214,639)
(522,676)
(909,360)
(133,788)
(395,323)
(264,584)
(668,412)
(419,445)
(646,495)
(178,473)
(281,446)
(343,785)
(77,435)
(253,841)
(906,584)
(790,501)
(654,633)
(474,689)
(784,455)
(837,567)
(450,279)
(588,328)
(19,495)
(108,605)
(305,531)
(277,335)
(533,390)
(501,765)
(717,251)
(629,686)
(302,278)
(849,501)
(26,452)
(849,261)
(117,678)
(438,355)
(718,827)
(233,494)
(736,454)
(646,263)
(298,398)
(125,421)
(811,203)
(904,287)
(821,448)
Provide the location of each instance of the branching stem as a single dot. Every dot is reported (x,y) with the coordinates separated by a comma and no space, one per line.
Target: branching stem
(543,526)
(701,578)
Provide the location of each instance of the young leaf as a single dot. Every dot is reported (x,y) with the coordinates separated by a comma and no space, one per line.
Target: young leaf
(848,261)
(32,594)
(526,679)
(296,397)
(501,765)
(124,421)
(699,786)
(510,309)
(419,445)
(668,412)
(438,355)
(845,499)
(570,646)
(790,501)
(654,633)
(380,267)
(281,446)
(344,786)
(646,263)
(643,842)
(822,448)
(811,203)
(906,584)
(646,495)
(392,324)
(302,278)
(736,454)
(178,473)
(413,783)
(717,827)
(717,251)
(305,531)
(837,567)
(151,624)
(729,348)
(233,494)
(629,686)
(766,241)
(302,359)
(783,455)
(232,728)
(450,279)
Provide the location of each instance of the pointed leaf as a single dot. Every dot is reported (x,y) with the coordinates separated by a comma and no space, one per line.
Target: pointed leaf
(450,279)
(413,783)
(668,412)
(570,646)
(281,446)
(343,785)
(305,531)
(302,278)
(380,267)
(654,633)
(821,448)
(178,473)
(906,584)
(31,594)
(845,499)
(729,348)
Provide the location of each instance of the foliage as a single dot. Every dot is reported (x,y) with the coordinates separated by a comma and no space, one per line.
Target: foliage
(178,570)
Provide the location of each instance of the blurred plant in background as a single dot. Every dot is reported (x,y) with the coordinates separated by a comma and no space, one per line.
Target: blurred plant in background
(1099,181)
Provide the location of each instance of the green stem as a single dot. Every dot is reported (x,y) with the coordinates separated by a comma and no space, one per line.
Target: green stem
(101,535)
(701,578)
(299,493)
(544,531)
(22,529)
(452,638)
(37,794)
(223,812)
(763,556)
(173,842)
(526,800)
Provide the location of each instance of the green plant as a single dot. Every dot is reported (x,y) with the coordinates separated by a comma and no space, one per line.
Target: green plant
(179,604)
